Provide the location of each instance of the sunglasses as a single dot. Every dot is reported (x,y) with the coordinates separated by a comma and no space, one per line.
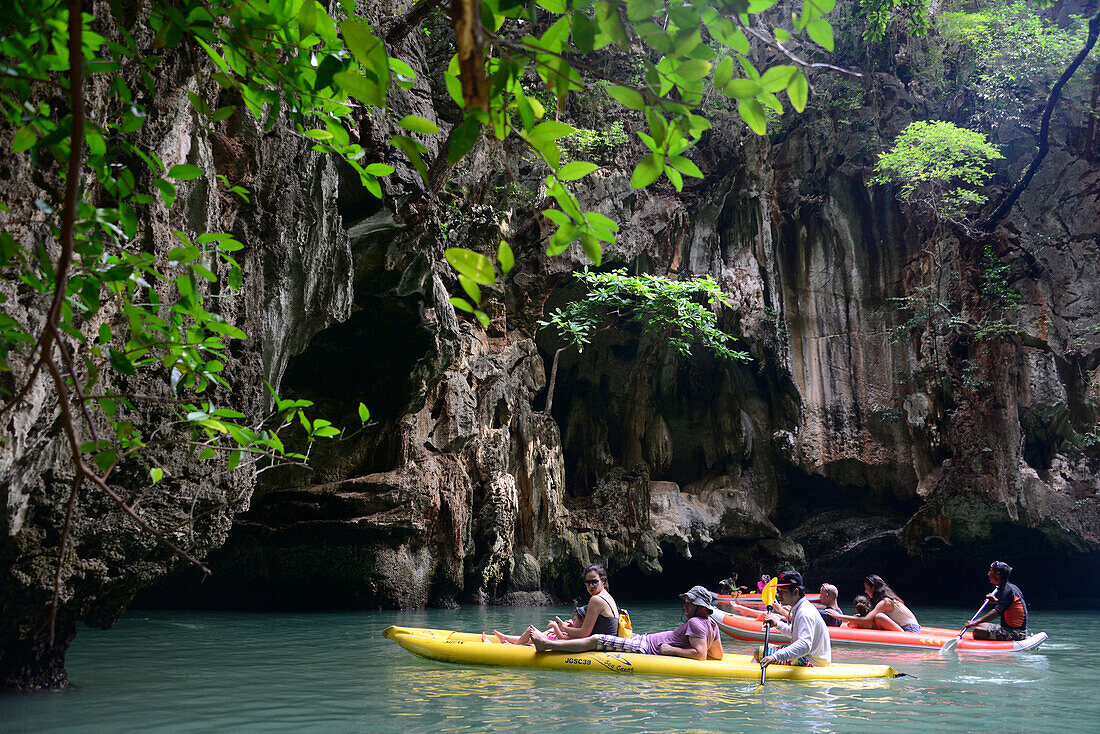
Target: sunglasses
(591,582)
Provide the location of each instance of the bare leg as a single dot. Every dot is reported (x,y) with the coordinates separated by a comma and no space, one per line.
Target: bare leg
(883,622)
(512,639)
(545,644)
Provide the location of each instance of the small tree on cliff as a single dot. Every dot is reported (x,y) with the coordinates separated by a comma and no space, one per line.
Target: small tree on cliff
(679,313)
(940,171)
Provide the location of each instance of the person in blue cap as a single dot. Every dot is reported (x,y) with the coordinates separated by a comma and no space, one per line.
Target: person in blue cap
(1008,601)
(810,645)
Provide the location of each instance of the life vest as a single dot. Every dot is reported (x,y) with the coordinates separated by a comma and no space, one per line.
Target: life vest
(626,629)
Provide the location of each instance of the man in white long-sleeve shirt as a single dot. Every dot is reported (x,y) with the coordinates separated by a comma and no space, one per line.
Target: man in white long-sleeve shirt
(809,636)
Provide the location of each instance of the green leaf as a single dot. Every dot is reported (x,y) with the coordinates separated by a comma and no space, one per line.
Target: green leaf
(473,265)
(693,70)
(685,166)
(674,176)
(167,191)
(199,104)
(369,51)
(461,304)
(575,170)
(557,217)
(753,114)
(798,90)
(777,77)
(742,89)
(379,169)
(723,73)
(552,130)
(592,249)
(412,150)
(641,9)
(418,125)
(404,72)
(362,89)
(627,97)
(463,139)
(483,318)
(185,172)
(470,287)
(307,17)
(104,459)
(584,34)
(25,139)
(122,364)
(364,413)
(562,239)
(595,219)
(822,33)
(648,170)
(505,257)
(156,474)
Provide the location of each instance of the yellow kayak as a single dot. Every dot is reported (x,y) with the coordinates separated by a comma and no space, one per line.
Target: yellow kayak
(468,649)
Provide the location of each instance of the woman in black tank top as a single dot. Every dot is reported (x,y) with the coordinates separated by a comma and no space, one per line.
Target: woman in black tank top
(600,616)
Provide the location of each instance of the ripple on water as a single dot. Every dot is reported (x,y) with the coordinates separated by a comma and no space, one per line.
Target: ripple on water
(202,672)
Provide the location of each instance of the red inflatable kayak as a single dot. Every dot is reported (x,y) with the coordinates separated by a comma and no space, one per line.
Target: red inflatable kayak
(750,630)
(752,599)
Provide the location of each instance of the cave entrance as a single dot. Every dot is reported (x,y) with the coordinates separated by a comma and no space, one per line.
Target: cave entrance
(369,359)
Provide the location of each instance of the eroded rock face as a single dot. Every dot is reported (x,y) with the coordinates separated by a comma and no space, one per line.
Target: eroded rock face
(298,278)
(820,454)
(828,451)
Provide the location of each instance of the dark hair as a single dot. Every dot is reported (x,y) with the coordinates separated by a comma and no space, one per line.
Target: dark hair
(1003,570)
(600,571)
(880,590)
(862,604)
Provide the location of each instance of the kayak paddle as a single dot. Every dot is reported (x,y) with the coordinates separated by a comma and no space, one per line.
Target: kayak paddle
(767,595)
(953,643)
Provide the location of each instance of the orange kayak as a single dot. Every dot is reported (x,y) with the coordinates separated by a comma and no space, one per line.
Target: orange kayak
(753,598)
(751,630)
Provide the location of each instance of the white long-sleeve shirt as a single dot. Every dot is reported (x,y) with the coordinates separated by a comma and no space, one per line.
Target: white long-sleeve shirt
(809,635)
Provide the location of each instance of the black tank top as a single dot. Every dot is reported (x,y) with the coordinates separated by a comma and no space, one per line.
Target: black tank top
(604,625)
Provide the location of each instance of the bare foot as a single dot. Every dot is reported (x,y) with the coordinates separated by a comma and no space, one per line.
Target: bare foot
(501,638)
(542,643)
(484,638)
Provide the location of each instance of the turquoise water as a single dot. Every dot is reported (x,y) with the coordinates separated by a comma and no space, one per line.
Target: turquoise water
(246,672)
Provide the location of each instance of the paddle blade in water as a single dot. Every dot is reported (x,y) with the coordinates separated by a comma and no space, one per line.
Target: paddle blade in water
(949,647)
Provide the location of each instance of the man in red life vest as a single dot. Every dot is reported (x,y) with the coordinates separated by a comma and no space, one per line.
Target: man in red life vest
(1008,602)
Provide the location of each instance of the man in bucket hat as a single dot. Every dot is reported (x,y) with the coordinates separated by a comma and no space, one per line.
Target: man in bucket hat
(810,643)
(697,638)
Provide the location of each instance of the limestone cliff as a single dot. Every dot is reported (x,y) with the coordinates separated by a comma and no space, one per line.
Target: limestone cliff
(832,450)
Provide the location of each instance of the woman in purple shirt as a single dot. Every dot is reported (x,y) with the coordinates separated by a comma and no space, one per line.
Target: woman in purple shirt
(697,638)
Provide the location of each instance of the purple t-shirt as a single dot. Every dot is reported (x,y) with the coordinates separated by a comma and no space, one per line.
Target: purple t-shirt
(694,627)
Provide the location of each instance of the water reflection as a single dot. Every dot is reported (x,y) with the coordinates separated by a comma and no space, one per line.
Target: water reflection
(202,672)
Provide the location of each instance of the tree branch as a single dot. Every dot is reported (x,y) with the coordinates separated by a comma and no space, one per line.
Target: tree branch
(1044,131)
(775,46)
(410,20)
